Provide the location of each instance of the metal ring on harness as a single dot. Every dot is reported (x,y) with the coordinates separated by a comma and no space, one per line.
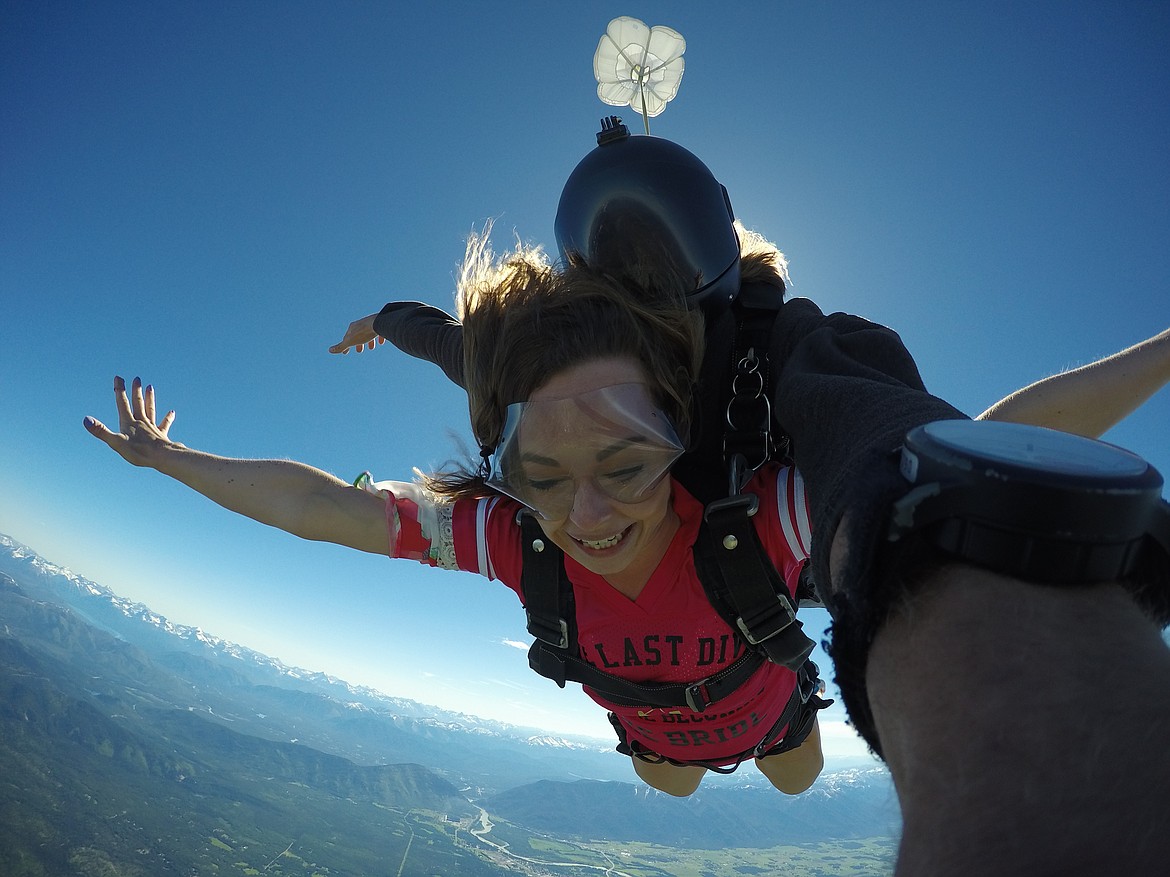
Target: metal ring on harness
(747,444)
(747,367)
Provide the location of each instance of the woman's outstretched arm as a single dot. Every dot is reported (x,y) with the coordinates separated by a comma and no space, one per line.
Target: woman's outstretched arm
(290,496)
(1091,399)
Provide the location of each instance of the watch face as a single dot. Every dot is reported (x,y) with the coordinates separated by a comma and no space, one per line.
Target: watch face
(1033,503)
(1035,448)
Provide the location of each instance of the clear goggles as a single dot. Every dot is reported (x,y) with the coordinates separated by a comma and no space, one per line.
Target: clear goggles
(613,440)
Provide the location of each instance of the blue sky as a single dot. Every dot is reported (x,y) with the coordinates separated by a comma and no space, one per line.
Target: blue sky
(206,194)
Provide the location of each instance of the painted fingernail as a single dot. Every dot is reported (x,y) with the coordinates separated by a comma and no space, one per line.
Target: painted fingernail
(89,421)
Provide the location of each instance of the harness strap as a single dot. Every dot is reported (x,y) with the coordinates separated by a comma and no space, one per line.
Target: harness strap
(732,566)
(560,666)
(555,652)
(789,731)
(548,595)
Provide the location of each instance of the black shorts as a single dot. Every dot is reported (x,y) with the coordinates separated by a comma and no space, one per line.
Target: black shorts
(790,731)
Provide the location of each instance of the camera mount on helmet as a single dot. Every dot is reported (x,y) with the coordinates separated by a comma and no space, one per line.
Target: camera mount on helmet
(644,201)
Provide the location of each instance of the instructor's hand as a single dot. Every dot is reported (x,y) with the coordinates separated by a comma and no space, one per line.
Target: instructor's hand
(361,335)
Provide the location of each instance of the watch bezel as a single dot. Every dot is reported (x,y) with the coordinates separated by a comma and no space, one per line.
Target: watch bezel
(1029,514)
(1037,455)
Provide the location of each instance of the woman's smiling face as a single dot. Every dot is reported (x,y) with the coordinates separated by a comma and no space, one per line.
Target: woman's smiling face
(600,485)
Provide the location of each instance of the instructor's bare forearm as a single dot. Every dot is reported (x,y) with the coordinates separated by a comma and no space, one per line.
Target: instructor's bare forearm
(1041,708)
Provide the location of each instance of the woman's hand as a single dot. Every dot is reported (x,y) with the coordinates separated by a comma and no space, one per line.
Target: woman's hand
(139,437)
(361,335)
(290,496)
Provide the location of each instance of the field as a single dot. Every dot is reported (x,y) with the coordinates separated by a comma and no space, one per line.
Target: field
(533,855)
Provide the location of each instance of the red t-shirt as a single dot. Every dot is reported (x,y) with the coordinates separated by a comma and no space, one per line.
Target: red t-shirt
(670,633)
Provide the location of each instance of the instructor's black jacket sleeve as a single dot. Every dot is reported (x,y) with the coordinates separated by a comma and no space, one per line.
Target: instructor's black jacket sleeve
(847,392)
(426,332)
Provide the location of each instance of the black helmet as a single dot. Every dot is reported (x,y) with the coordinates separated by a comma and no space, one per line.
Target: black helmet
(635,195)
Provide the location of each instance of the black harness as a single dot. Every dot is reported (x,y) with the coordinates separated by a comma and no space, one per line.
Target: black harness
(742,585)
(738,577)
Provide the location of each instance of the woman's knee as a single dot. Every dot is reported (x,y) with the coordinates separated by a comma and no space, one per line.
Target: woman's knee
(673,779)
(794,771)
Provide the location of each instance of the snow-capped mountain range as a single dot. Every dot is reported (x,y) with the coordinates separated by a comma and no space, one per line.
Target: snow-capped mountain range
(226,668)
(257,694)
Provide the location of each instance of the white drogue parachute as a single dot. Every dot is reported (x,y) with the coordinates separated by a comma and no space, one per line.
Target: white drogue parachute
(639,66)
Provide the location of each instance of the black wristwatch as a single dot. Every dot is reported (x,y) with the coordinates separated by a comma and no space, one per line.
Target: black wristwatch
(1029,502)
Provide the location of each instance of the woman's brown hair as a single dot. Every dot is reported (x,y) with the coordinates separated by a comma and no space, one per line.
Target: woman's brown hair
(524,320)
